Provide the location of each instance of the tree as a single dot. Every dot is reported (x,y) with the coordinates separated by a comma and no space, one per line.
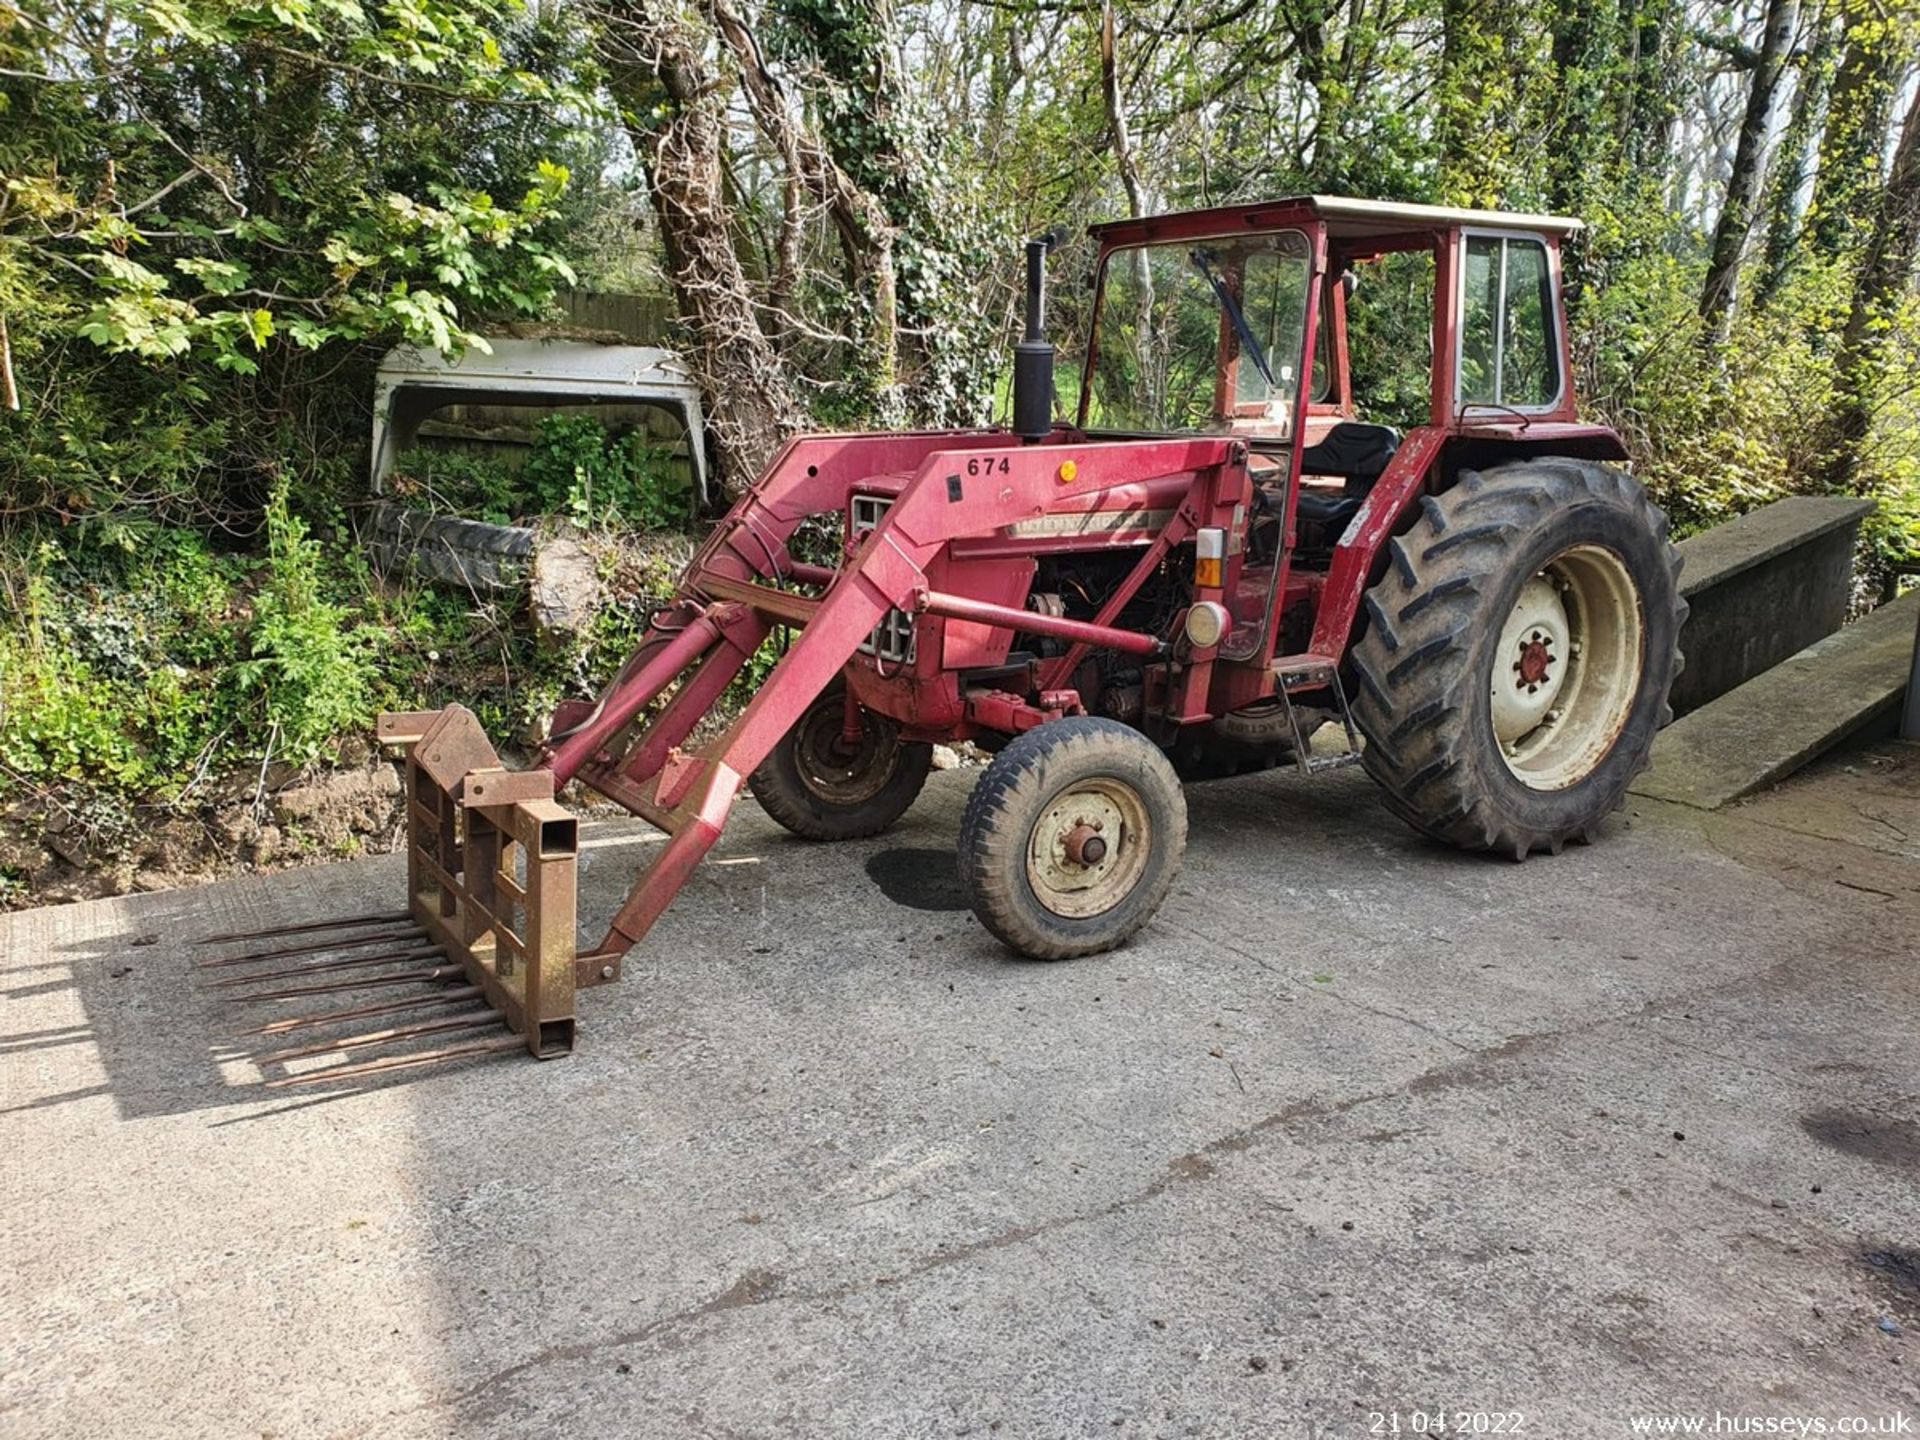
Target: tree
(866,233)
(1763,68)
(1477,131)
(1882,282)
(1794,161)
(873,121)
(674,110)
(1878,43)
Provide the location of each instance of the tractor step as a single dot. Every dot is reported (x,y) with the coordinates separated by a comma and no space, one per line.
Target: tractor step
(1303,674)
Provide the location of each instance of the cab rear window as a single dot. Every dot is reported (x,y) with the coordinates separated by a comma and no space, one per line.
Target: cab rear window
(1509,353)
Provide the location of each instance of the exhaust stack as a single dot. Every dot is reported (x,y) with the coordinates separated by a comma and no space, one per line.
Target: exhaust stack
(1033,356)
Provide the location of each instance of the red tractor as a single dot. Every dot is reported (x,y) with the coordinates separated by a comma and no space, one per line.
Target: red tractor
(1210,561)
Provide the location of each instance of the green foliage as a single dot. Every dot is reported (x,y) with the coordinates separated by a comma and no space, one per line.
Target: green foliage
(145,659)
(58,719)
(580,470)
(576,469)
(174,261)
(479,487)
(309,665)
(234,207)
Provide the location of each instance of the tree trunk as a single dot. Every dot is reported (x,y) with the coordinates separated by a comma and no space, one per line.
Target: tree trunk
(1857,118)
(676,119)
(1325,160)
(1736,214)
(873,127)
(1573,164)
(1886,268)
(1795,157)
(865,233)
(1123,157)
(1476,123)
(1651,104)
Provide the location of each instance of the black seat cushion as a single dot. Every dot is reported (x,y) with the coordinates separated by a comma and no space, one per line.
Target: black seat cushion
(1328,513)
(1352,450)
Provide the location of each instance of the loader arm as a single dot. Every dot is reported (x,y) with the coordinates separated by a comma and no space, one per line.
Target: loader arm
(730,601)
(491,855)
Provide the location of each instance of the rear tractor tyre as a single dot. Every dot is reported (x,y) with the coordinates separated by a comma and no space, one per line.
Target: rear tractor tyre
(1072,838)
(1518,654)
(821,787)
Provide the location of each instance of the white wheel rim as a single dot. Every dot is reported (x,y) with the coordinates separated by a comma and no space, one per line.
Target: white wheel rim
(1065,874)
(1567,668)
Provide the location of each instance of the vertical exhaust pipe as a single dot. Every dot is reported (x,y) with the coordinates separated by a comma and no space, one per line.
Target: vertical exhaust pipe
(1033,356)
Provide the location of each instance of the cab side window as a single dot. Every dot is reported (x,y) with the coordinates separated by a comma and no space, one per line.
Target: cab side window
(1509,353)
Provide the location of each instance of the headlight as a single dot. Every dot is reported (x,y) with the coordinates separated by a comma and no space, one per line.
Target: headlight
(1207,625)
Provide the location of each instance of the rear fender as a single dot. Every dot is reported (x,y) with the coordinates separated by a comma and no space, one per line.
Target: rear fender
(1426,464)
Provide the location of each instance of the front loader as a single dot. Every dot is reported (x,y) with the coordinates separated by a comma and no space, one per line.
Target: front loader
(1213,560)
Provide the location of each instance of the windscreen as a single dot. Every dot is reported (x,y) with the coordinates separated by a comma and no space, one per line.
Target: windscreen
(1201,336)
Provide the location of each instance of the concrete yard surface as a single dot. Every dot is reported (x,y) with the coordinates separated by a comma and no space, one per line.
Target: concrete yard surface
(1358,1126)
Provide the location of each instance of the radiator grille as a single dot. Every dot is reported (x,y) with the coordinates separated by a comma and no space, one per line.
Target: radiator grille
(893,640)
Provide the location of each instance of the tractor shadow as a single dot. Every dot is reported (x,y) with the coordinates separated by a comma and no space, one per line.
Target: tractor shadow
(159,1039)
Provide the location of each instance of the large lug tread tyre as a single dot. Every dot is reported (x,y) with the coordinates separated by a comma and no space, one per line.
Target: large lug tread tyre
(819,790)
(1026,880)
(1442,617)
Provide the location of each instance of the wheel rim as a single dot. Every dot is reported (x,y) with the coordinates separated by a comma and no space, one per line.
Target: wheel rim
(1089,848)
(835,771)
(1567,668)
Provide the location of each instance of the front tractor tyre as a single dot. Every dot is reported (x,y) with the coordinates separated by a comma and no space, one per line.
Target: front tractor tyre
(822,785)
(1518,653)
(1072,838)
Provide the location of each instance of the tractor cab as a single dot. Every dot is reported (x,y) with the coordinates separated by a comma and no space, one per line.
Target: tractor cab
(1237,321)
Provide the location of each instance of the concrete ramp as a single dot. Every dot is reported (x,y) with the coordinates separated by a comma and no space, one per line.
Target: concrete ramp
(1764,730)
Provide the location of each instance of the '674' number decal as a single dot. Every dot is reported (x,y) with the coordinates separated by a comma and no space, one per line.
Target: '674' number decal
(990,465)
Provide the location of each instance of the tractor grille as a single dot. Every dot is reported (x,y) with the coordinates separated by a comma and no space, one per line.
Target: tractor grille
(892,640)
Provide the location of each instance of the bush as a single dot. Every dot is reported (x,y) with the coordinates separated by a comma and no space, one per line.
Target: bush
(576,469)
(312,668)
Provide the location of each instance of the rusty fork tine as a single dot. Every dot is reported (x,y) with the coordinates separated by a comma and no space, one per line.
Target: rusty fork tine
(384,937)
(309,927)
(315,967)
(360,1012)
(381,1037)
(399,1062)
(410,977)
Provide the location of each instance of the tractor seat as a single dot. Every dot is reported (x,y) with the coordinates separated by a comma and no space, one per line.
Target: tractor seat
(1325,513)
(1353,451)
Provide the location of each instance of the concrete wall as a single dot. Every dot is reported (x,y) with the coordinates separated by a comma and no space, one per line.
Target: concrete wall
(1764,587)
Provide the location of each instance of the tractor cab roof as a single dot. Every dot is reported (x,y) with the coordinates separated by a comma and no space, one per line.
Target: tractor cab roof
(1345,219)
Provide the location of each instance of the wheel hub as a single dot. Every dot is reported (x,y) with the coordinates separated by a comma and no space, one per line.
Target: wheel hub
(1089,848)
(1085,845)
(1533,662)
(840,771)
